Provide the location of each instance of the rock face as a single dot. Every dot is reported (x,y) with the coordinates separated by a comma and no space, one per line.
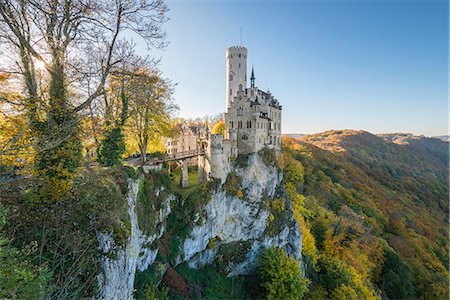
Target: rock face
(233,228)
(119,264)
(230,220)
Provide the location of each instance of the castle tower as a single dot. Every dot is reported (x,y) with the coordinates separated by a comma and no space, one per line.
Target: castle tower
(236,72)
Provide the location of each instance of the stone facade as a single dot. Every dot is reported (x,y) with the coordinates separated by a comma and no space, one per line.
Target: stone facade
(253,121)
(186,139)
(253,118)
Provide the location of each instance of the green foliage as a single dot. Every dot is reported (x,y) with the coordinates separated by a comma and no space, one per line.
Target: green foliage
(152,293)
(358,195)
(233,186)
(278,218)
(232,253)
(19,278)
(112,147)
(281,275)
(146,283)
(344,292)
(181,221)
(102,196)
(58,157)
(153,190)
(60,237)
(268,156)
(215,284)
(333,273)
(396,277)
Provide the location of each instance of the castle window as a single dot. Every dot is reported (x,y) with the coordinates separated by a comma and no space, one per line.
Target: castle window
(231,77)
(231,92)
(239,66)
(239,55)
(245,137)
(239,124)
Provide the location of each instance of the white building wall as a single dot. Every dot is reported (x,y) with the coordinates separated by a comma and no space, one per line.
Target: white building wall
(236,74)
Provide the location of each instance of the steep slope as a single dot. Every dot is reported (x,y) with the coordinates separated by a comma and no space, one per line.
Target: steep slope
(379,205)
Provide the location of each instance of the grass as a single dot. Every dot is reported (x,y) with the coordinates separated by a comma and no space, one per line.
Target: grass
(192,180)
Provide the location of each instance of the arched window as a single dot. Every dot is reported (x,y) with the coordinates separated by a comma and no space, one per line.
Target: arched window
(231,77)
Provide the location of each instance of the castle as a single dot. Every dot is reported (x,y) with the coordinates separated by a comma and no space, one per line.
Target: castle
(253,119)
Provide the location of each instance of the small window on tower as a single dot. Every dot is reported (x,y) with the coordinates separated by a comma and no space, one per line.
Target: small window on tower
(231,92)
(239,55)
(239,66)
(231,77)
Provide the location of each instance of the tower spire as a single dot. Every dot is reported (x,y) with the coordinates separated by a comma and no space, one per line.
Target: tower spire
(252,78)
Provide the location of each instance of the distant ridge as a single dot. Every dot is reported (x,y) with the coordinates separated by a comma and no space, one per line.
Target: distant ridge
(445,138)
(397,137)
(295,135)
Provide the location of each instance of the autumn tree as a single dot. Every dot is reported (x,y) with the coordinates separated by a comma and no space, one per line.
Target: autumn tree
(281,275)
(151,109)
(219,127)
(75,42)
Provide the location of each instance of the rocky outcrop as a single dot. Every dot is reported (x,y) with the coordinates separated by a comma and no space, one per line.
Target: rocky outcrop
(231,220)
(119,264)
(231,227)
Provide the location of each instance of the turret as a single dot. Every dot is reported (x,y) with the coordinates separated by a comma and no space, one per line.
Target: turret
(236,58)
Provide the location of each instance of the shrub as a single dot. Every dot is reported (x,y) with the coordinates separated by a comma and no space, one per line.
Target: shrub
(19,279)
(112,147)
(281,275)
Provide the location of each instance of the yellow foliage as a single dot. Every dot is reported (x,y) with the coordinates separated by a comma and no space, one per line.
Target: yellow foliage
(239,194)
(344,292)
(219,128)
(278,205)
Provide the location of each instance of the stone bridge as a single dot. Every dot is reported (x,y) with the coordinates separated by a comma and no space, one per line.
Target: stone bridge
(182,157)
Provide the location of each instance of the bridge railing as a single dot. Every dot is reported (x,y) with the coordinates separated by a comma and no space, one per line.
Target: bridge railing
(181,155)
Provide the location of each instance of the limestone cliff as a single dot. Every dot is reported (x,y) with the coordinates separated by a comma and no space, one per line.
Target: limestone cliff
(239,220)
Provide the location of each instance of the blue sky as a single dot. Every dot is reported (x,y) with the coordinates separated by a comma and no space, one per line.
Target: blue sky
(380,66)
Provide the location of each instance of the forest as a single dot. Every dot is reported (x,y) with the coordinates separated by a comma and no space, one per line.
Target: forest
(373,214)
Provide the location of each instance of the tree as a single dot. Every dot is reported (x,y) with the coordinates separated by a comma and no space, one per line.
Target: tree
(151,109)
(116,106)
(219,128)
(75,42)
(396,277)
(281,275)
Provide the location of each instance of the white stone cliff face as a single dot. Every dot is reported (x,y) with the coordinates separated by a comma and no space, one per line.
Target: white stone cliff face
(226,219)
(116,281)
(230,219)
